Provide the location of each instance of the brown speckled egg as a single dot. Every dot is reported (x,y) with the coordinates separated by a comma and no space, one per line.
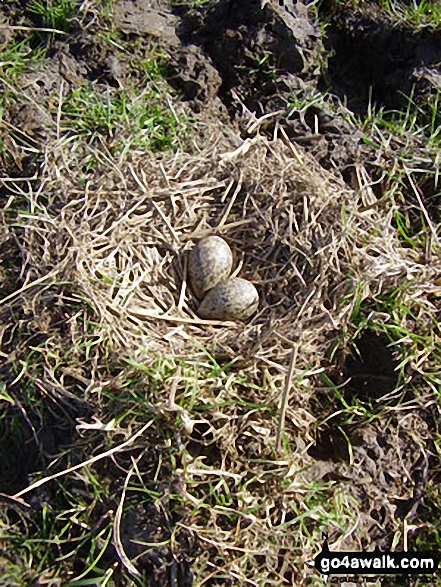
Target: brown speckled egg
(233,299)
(210,263)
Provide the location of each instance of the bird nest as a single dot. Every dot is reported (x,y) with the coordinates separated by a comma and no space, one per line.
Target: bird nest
(299,234)
(117,242)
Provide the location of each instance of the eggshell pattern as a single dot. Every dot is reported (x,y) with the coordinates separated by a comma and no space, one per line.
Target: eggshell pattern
(233,299)
(210,262)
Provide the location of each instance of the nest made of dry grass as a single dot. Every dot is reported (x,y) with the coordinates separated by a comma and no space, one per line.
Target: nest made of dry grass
(313,247)
(300,235)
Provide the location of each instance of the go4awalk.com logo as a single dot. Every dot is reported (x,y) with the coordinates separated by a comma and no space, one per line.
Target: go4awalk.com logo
(375,563)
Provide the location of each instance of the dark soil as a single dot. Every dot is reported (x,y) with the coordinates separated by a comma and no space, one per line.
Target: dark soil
(374,61)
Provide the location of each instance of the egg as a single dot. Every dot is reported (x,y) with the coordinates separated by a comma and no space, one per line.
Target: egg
(232,299)
(210,262)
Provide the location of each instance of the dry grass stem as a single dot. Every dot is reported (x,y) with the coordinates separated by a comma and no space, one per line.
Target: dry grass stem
(90,461)
(117,240)
(117,528)
(285,398)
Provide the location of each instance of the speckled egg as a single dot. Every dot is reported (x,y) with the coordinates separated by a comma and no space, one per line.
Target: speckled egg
(210,263)
(233,299)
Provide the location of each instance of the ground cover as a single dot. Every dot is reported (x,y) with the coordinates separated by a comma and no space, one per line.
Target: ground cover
(140,445)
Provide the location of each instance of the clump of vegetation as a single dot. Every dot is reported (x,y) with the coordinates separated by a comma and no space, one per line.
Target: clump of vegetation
(128,118)
(410,13)
(54,14)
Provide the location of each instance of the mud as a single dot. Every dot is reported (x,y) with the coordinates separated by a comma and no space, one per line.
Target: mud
(371,368)
(374,61)
(237,36)
(226,57)
(28,445)
(153,18)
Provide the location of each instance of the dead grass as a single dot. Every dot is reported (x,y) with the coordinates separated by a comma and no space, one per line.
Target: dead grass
(188,449)
(316,250)
(122,233)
